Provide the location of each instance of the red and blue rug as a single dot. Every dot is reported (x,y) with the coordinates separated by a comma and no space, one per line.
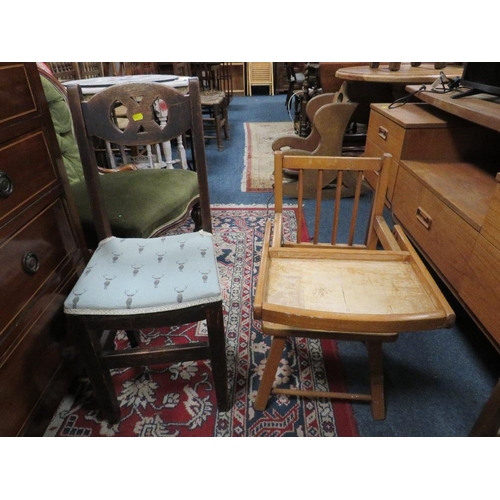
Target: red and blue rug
(179,399)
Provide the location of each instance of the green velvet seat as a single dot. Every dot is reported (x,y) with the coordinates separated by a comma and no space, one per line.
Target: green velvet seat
(161,198)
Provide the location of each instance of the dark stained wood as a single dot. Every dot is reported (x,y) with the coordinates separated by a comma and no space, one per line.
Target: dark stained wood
(92,119)
(488,422)
(41,254)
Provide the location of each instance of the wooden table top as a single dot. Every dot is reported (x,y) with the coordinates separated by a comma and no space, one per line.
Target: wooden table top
(483,109)
(426,73)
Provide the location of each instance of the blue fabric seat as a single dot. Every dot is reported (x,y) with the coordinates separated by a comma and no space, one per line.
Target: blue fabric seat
(138,276)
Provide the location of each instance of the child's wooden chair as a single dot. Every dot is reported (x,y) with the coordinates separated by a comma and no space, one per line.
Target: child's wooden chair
(365,292)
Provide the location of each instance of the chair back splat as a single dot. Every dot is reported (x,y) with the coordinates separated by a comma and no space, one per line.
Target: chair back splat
(335,287)
(131,284)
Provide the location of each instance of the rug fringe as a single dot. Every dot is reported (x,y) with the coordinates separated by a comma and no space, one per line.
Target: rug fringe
(243,186)
(220,206)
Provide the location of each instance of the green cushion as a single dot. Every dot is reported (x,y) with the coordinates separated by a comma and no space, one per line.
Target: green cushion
(139,202)
(63,125)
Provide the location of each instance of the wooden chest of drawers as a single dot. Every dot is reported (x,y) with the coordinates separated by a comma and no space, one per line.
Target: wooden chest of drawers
(445,192)
(40,255)
(431,208)
(481,285)
(450,210)
(416,131)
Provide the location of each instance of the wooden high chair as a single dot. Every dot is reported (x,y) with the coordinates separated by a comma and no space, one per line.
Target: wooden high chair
(346,291)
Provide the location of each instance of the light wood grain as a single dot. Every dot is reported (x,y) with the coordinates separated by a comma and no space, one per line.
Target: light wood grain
(343,290)
(426,73)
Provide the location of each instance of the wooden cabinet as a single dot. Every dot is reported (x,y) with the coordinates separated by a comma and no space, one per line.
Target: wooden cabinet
(417,131)
(41,255)
(481,285)
(446,192)
(238,77)
(432,220)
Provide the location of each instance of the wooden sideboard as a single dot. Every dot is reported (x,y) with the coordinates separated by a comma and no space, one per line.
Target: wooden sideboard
(41,254)
(445,192)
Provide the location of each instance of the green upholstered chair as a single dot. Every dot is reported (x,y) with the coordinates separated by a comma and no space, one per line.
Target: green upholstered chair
(140,203)
(138,284)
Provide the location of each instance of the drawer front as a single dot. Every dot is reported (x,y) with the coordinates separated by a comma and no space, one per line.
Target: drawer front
(26,170)
(434,227)
(386,135)
(491,224)
(32,364)
(20,103)
(30,257)
(480,289)
(371,149)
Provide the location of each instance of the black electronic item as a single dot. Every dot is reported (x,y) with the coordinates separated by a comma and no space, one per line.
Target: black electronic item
(480,77)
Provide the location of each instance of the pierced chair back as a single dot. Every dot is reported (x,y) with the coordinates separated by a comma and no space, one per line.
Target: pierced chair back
(144,125)
(131,284)
(337,288)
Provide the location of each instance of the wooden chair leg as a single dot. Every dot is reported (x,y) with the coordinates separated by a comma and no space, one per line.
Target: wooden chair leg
(272,363)
(218,126)
(133,337)
(225,121)
(215,327)
(89,343)
(375,362)
(196,216)
(488,422)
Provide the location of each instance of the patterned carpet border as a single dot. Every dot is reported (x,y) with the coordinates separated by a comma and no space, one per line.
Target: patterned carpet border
(179,400)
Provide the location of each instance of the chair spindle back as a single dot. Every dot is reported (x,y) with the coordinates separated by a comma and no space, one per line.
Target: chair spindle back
(325,165)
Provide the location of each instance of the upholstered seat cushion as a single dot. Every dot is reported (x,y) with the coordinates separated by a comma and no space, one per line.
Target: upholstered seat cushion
(139,202)
(135,276)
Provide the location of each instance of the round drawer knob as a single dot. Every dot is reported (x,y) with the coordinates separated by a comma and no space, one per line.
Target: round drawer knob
(6,185)
(30,263)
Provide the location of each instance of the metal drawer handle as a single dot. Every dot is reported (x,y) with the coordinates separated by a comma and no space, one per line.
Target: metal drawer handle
(31,264)
(383,133)
(424,218)
(6,185)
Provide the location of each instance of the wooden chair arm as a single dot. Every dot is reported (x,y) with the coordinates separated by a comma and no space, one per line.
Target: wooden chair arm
(262,279)
(294,142)
(123,168)
(384,234)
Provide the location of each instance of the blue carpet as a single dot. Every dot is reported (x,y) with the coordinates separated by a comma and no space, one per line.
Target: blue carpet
(436,382)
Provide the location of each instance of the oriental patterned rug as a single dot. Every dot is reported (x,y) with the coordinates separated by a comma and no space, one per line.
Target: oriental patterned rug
(179,399)
(259,166)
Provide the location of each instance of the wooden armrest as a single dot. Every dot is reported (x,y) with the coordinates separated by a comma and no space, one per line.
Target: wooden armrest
(293,142)
(421,271)
(384,234)
(123,168)
(261,281)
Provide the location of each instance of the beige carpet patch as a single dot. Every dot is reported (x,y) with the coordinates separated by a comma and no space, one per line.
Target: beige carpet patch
(258,172)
